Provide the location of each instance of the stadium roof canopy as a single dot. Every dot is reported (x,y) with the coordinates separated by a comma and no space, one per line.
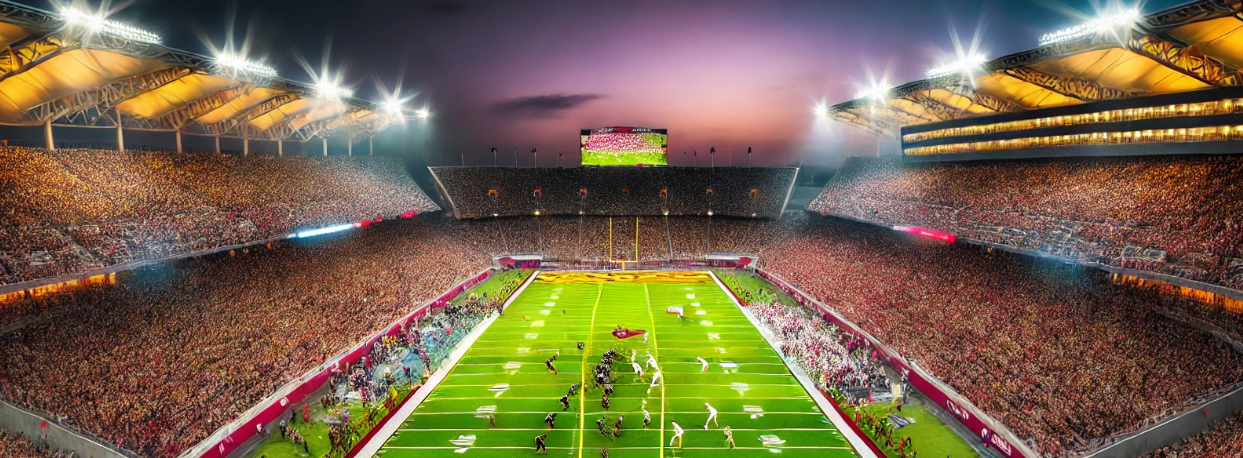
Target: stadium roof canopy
(1190,47)
(54,70)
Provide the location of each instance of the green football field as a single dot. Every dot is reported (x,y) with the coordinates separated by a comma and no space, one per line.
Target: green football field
(746,381)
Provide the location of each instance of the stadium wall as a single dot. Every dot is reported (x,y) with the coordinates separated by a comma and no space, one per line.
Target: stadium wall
(259,418)
(992,433)
(43,431)
(1172,430)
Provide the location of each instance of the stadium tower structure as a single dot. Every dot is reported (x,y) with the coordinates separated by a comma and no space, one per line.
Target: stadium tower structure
(76,69)
(1126,85)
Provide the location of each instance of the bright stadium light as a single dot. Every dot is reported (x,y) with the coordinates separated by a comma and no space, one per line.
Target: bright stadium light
(878,91)
(95,23)
(968,65)
(1104,24)
(820,111)
(328,90)
(233,63)
(393,106)
(422,113)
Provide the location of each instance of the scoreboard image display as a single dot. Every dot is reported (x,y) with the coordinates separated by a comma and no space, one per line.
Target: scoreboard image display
(629,146)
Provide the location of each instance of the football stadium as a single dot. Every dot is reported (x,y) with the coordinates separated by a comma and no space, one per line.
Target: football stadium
(215,245)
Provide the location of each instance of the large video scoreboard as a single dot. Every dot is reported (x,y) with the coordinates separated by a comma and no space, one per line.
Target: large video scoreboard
(625,146)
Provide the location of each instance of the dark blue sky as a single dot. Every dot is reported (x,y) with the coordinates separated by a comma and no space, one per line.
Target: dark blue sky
(531,73)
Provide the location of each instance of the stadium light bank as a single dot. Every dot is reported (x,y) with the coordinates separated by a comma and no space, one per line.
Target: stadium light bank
(877,92)
(332,91)
(234,63)
(1100,25)
(96,23)
(967,65)
(820,111)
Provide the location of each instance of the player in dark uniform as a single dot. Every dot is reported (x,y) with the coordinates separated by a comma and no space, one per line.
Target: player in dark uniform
(550,418)
(603,432)
(617,426)
(574,388)
(605,402)
(548,362)
(565,402)
(608,389)
(539,443)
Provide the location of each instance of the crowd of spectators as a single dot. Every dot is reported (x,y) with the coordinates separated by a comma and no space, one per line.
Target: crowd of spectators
(72,210)
(659,238)
(834,358)
(1223,440)
(160,361)
(17,445)
(1058,353)
(1175,215)
(480,192)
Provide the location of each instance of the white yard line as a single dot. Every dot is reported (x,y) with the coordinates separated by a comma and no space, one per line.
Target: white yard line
(857,442)
(388,428)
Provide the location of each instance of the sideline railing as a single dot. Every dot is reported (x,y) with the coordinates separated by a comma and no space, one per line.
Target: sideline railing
(251,423)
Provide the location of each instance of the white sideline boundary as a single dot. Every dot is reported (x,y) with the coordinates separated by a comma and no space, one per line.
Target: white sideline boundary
(390,427)
(855,441)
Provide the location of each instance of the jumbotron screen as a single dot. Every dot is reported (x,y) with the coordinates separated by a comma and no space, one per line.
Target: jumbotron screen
(625,146)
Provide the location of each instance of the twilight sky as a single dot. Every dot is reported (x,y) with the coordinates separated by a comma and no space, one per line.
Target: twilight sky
(530,73)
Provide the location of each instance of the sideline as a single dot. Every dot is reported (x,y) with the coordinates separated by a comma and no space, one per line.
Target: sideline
(858,443)
(382,433)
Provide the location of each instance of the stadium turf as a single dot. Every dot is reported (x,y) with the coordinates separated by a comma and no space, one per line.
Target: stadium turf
(504,370)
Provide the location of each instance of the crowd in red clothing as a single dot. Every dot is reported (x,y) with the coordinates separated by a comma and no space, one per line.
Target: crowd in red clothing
(158,362)
(72,210)
(1178,215)
(17,445)
(1059,354)
(1223,440)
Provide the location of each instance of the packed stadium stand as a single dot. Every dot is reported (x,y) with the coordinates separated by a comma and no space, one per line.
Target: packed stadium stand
(74,210)
(16,445)
(1176,215)
(1026,340)
(166,359)
(216,334)
(478,192)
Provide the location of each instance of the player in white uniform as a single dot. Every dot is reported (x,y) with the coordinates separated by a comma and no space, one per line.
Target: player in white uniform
(638,370)
(711,416)
(651,361)
(704,362)
(655,379)
(677,435)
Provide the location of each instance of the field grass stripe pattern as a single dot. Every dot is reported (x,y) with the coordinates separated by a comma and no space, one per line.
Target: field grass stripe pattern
(503,374)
